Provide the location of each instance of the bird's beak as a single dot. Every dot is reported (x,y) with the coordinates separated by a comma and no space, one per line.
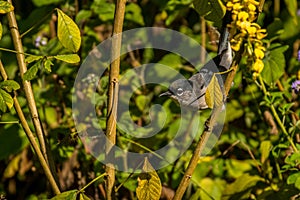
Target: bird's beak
(167,93)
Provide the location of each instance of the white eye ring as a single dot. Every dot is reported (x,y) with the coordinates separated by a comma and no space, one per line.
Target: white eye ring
(179,91)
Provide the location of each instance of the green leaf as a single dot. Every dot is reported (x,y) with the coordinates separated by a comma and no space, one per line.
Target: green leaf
(5,101)
(241,187)
(69,58)
(214,95)
(134,13)
(275,29)
(68,32)
(68,195)
(47,64)
(39,3)
(9,85)
(31,58)
(104,9)
(141,102)
(32,71)
(149,187)
(265,149)
(5,7)
(292,7)
(212,10)
(274,64)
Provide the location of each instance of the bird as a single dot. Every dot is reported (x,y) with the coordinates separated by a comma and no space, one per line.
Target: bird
(191,92)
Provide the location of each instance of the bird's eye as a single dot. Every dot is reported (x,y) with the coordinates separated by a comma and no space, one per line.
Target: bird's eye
(202,86)
(179,91)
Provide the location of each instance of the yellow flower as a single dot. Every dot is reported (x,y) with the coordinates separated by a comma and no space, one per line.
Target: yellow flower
(251,31)
(251,7)
(259,54)
(261,34)
(258,66)
(255,3)
(237,6)
(243,25)
(243,16)
(236,44)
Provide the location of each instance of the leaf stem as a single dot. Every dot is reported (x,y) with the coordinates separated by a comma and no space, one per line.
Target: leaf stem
(91,182)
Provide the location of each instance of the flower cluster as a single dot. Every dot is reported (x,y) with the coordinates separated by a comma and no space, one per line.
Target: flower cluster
(246,32)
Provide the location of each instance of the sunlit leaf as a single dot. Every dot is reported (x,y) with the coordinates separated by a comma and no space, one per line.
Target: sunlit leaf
(214,95)
(274,64)
(5,7)
(265,149)
(69,58)
(68,32)
(47,64)
(32,71)
(9,85)
(31,58)
(68,195)
(149,187)
(5,100)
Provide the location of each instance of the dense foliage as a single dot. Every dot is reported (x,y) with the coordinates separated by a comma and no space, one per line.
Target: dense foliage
(256,157)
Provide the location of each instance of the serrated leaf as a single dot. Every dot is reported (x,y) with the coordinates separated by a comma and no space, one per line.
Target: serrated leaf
(31,58)
(68,32)
(274,64)
(32,71)
(69,58)
(47,64)
(9,85)
(212,10)
(5,7)
(214,95)
(149,185)
(68,195)
(265,149)
(5,100)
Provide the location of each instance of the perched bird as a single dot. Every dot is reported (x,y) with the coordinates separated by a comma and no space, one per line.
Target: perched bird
(191,92)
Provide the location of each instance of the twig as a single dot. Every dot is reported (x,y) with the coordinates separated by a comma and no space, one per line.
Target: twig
(31,138)
(113,90)
(207,133)
(27,86)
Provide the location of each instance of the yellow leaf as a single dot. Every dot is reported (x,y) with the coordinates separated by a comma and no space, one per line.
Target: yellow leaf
(214,95)
(149,187)
(5,7)
(68,32)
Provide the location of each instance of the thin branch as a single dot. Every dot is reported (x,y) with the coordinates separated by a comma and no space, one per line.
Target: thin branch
(31,138)
(113,90)
(27,86)
(207,132)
